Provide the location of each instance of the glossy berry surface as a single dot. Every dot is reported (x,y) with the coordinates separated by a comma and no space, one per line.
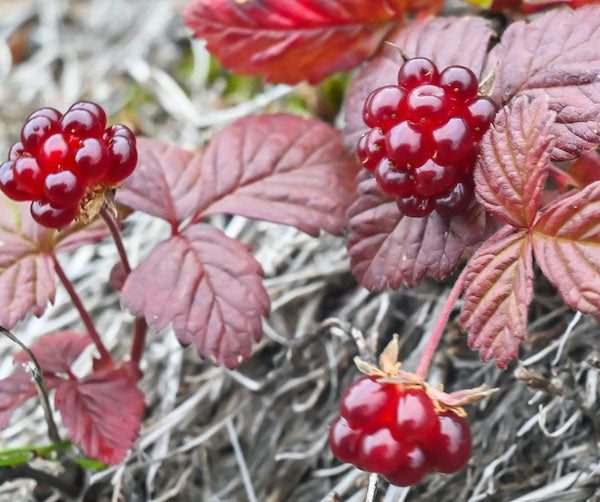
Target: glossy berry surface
(59,158)
(396,431)
(431,124)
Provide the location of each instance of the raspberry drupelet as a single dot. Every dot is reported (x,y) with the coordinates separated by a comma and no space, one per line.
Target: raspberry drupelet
(396,431)
(424,137)
(61,158)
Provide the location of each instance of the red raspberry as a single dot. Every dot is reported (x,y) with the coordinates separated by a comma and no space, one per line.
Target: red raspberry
(61,157)
(344,441)
(449,451)
(395,431)
(368,404)
(432,123)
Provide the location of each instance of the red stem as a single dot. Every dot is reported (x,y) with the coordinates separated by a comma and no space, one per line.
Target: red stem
(140,326)
(105,357)
(438,330)
(116,235)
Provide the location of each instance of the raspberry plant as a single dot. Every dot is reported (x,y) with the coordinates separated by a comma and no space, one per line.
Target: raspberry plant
(460,147)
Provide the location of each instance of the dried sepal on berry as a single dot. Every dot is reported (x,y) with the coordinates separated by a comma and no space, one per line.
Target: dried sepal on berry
(389,372)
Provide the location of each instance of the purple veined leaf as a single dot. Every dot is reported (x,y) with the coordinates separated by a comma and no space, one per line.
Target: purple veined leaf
(15,390)
(497,294)
(208,286)
(445,40)
(279,168)
(166,182)
(557,55)
(387,249)
(566,242)
(56,352)
(26,269)
(514,160)
(102,412)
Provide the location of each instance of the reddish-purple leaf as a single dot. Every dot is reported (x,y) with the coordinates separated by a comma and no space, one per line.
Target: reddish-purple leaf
(586,169)
(56,352)
(498,291)
(387,249)
(557,55)
(75,236)
(279,168)
(208,287)
(446,41)
(166,182)
(566,241)
(102,412)
(26,267)
(513,165)
(14,391)
(294,40)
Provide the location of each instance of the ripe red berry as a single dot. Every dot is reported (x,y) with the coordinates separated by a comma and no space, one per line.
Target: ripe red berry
(49,113)
(396,431)
(459,82)
(98,113)
(9,184)
(16,151)
(123,155)
(60,158)
(81,124)
(393,180)
(482,111)
(450,451)
(29,175)
(368,404)
(47,215)
(427,104)
(416,419)
(453,141)
(55,154)
(431,178)
(417,71)
(92,160)
(414,206)
(412,468)
(406,146)
(64,189)
(456,200)
(383,107)
(371,148)
(35,130)
(432,123)
(344,441)
(381,453)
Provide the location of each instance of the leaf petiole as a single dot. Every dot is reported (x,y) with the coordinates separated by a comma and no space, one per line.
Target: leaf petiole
(105,357)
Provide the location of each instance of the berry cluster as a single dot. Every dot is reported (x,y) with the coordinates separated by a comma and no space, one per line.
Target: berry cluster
(61,157)
(424,136)
(395,431)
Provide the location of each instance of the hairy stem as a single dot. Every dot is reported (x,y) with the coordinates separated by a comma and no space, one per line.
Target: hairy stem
(85,317)
(116,235)
(438,330)
(40,385)
(140,326)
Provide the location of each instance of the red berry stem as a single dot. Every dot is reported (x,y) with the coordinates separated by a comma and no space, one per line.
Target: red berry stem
(105,357)
(140,325)
(438,330)
(116,235)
